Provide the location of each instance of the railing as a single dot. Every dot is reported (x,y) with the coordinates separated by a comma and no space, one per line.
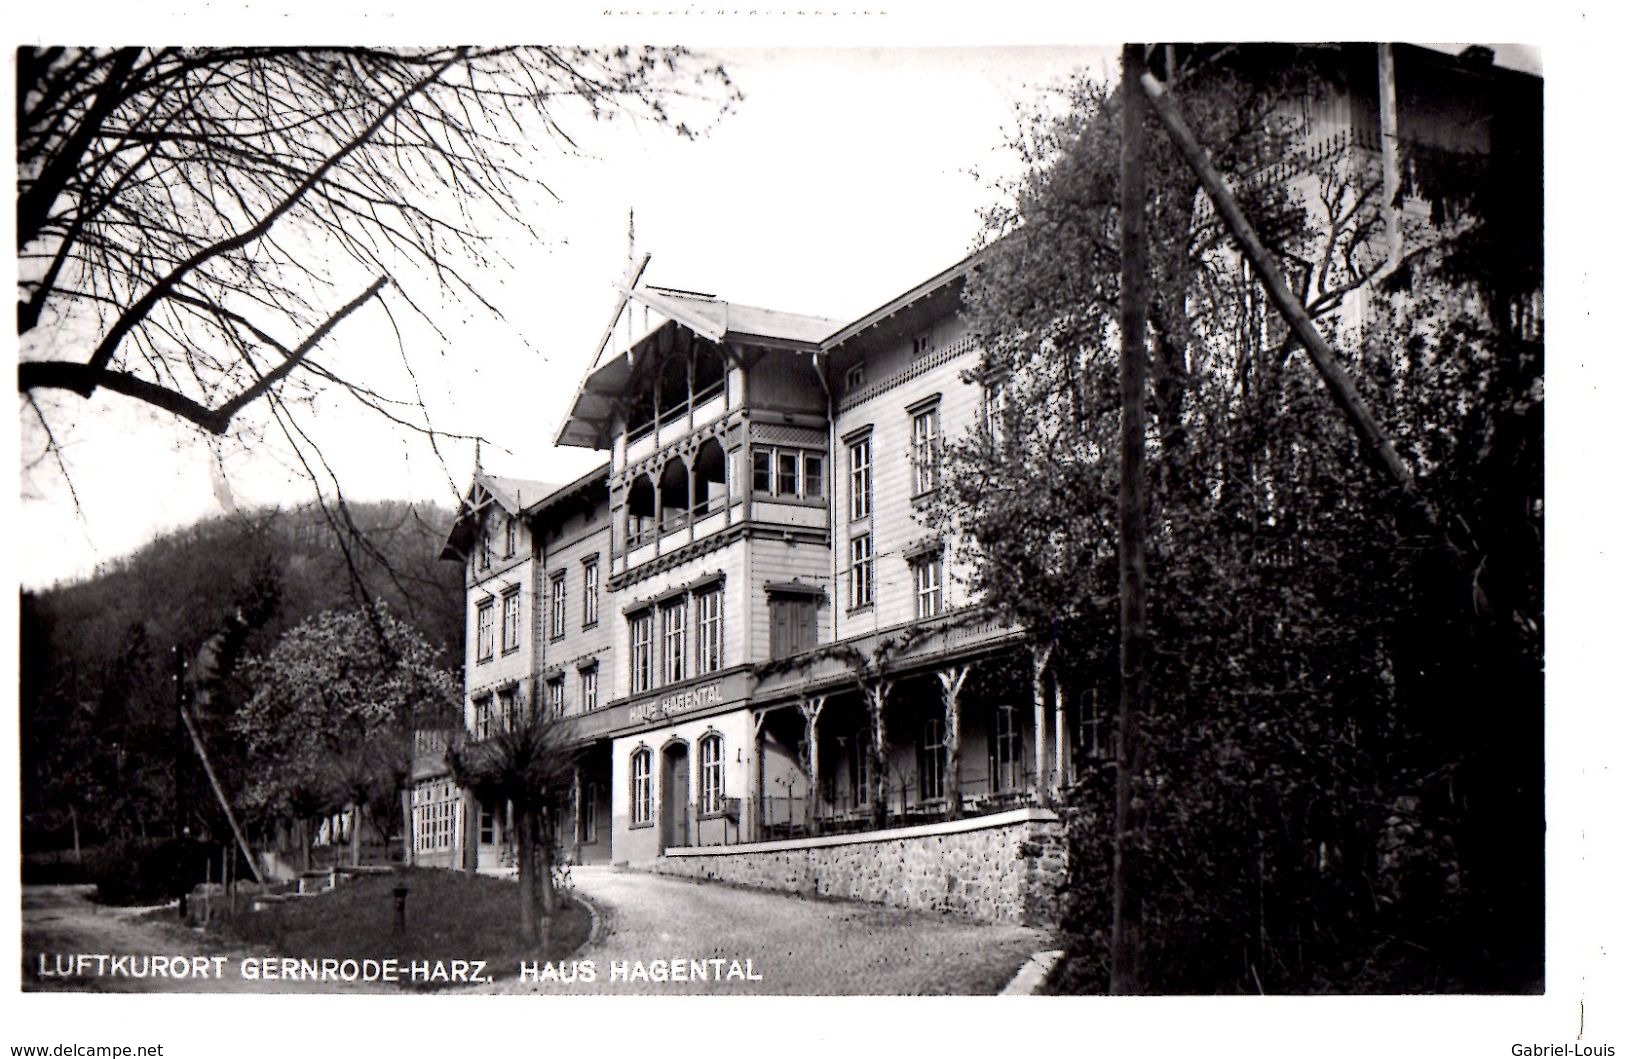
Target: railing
(784,816)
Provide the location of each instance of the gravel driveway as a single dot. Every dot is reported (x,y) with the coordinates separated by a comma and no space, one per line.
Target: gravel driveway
(794,945)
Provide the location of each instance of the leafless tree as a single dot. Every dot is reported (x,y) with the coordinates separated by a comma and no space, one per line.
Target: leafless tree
(193,223)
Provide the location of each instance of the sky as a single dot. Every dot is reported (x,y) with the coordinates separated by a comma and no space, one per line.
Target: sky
(843,177)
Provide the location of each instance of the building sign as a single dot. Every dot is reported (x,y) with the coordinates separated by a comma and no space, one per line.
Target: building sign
(683,701)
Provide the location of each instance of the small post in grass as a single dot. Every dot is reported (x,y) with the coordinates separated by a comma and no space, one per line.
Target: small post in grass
(400,893)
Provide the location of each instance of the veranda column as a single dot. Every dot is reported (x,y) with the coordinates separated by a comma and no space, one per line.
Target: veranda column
(759,800)
(953,681)
(875,695)
(1041,655)
(811,709)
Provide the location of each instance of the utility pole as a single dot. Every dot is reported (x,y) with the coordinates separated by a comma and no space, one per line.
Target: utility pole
(181,739)
(1131,520)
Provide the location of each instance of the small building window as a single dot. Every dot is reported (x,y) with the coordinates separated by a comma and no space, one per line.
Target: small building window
(555,696)
(510,620)
(485,631)
(643,643)
(482,717)
(589,689)
(484,546)
(510,538)
(711,774)
(1006,763)
(863,571)
(928,585)
(587,814)
(860,480)
(674,640)
(994,413)
(642,786)
(556,608)
(933,758)
(790,473)
(859,768)
(488,827)
(792,625)
(708,630)
(924,342)
(854,378)
(927,451)
(508,709)
(589,593)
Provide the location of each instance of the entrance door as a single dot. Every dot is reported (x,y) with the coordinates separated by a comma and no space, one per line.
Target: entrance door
(674,796)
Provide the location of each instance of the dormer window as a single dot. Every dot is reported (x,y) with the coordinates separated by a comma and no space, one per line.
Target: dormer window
(510,538)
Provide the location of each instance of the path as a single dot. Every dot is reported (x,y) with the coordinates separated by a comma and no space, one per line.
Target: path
(797,946)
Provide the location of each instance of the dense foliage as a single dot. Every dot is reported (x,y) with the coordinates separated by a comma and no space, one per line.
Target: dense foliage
(97,700)
(1343,776)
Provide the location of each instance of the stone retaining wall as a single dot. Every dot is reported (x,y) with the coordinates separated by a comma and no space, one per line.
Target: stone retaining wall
(1009,866)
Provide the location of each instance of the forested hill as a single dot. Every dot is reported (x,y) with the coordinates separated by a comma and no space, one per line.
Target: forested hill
(96,700)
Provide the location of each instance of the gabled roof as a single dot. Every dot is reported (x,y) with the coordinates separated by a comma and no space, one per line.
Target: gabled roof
(720,321)
(512,495)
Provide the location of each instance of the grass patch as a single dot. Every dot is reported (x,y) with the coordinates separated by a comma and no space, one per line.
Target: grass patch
(450,915)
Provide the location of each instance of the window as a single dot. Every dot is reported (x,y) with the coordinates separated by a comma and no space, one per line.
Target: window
(510,620)
(924,342)
(792,473)
(927,452)
(854,378)
(434,810)
(674,640)
(708,630)
(482,717)
(993,412)
(484,547)
(589,593)
(643,645)
(863,571)
(928,585)
(861,482)
(1006,763)
(555,610)
(510,538)
(488,827)
(933,758)
(711,773)
(508,709)
(589,689)
(485,631)
(860,768)
(555,696)
(642,786)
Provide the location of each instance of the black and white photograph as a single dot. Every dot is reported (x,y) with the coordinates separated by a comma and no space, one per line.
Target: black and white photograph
(782,503)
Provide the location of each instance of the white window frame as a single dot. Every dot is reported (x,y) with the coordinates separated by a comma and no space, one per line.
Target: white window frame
(641,630)
(933,759)
(927,451)
(641,773)
(555,696)
(674,640)
(774,454)
(510,620)
(860,478)
(928,595)
(558,605)
(505,716)
(708,629)
(712,774)
(993,411)
(862,580)
(482,718)
(589,593)
(589,689)
(510,537)
(485,630)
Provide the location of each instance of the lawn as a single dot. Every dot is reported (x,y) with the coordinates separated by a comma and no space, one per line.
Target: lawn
(449,916)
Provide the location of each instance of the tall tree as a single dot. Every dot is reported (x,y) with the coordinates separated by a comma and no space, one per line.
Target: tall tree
(1314,797)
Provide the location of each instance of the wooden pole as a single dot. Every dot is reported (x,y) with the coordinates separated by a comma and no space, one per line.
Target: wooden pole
(953,683)
(1126,976)
(219,793)
(1341,388)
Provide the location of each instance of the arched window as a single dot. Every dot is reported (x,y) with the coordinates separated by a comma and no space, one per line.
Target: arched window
(640,511)
(710,478)
(709,371)
(642,785)
(711,773)
(673,495)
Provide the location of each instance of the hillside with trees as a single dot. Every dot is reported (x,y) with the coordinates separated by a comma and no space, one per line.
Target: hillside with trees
(100,738)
